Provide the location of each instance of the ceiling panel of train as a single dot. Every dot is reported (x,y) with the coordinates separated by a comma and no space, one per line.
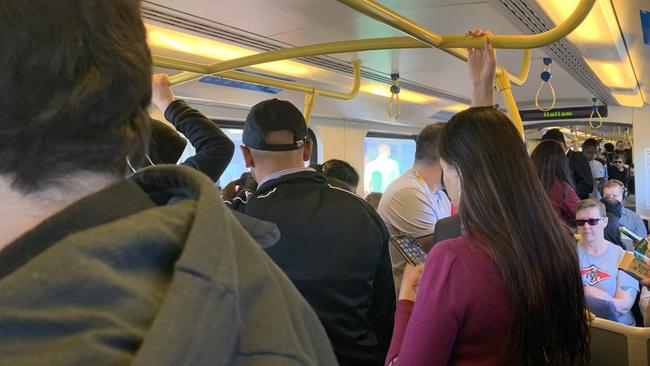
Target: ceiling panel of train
(285,23)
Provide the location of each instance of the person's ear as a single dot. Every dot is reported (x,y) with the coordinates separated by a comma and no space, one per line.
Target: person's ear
(306,151)
(248,157)
(605,221)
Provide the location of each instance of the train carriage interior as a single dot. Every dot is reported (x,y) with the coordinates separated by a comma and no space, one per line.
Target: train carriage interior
(593,83)
(369,75)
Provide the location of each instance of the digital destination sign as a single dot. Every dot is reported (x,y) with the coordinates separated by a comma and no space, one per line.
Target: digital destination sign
(561,113)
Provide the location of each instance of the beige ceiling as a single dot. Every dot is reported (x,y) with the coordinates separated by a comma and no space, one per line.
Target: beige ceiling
(304,22)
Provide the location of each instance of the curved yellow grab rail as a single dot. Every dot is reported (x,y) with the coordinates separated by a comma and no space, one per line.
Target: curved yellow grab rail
(385,15)
(311,92)
(329,48)
(520,79)
(196,68)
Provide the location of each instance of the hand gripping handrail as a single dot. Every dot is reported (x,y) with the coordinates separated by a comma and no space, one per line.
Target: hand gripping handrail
(309,90)
(385,15)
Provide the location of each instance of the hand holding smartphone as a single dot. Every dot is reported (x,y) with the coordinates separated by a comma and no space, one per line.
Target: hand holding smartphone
(410,249)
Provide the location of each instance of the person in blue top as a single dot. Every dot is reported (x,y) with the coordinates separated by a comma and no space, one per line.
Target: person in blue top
(599,259)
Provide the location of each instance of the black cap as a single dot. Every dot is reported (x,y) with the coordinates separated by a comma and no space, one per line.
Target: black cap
(274,115)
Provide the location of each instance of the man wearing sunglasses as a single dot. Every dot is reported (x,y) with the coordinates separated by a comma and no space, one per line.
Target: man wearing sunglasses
(618,169)
(599,259)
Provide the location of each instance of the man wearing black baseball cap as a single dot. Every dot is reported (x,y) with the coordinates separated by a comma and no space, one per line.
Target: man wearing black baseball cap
(333,246)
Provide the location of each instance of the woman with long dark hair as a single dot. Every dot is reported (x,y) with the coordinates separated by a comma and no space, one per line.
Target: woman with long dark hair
(552,167)
(508,291)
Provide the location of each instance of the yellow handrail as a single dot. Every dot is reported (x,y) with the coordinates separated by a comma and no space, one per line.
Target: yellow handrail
(385,15)
(330,48)
(193,67)
(505,88)
(311,92)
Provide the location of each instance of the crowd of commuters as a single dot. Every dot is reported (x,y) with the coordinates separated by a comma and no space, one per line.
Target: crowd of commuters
(105,259)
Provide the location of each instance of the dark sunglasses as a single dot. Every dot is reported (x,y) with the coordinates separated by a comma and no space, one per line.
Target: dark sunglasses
(591,222)
(618,162)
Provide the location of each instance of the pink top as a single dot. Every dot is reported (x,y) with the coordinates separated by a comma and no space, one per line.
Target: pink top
(462,314)
(564,203)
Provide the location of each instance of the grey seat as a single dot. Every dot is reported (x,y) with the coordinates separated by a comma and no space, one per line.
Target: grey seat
(613,343)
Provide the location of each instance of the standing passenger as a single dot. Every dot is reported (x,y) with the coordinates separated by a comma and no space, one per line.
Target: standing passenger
(552,167)
(598,170)
(414,202)
(99,270)
(214,149)
(580,170)
(334,246)
(618,169)
(508,291)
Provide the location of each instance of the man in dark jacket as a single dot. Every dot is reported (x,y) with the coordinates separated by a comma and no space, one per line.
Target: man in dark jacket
(334,246)
(580,170)
(214,149)
(99,270)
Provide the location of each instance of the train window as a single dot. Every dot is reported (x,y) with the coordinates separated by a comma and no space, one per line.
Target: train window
(386,157)
(237,167)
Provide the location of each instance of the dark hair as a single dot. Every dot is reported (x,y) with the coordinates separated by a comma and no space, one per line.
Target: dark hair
(555,135)
(612,206)
(373,199)
(613,211)
(609,147)
(611,231)
(76,82)
(619,155)
(426,144)
(317,167)
(342,171)
(510,215)
(590,142)
(551,164)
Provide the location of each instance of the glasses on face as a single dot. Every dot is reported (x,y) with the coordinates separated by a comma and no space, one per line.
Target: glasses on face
(618,162)
(591,222)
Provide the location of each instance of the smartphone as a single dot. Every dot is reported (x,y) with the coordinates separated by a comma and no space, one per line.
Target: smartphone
(410,249)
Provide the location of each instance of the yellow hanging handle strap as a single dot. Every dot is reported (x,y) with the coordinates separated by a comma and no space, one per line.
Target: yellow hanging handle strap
(595,111)
(629,137)
(309,104)
(394,103)
(546,79)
